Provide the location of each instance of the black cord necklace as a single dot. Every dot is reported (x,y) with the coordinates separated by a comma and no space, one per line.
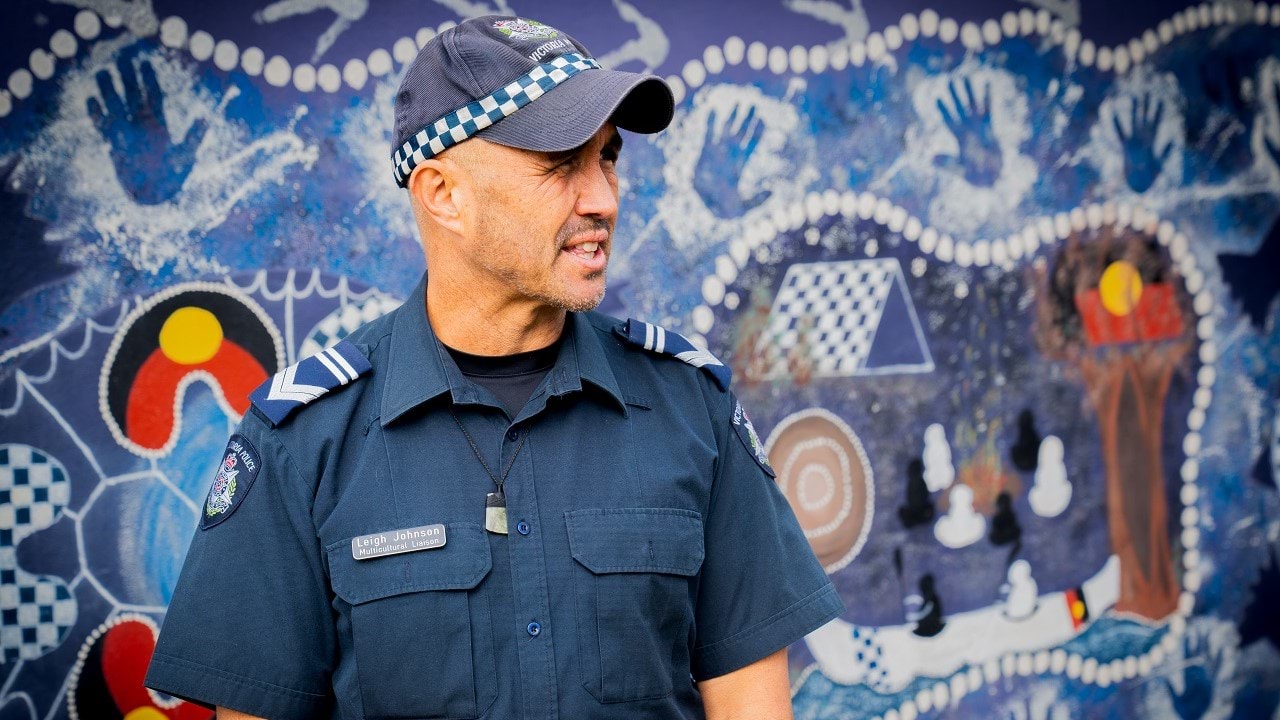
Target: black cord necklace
(495,503)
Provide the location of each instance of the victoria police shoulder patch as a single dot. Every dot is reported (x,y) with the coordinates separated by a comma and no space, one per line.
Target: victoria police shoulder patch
(240,467)
(308,379)
(746,432)
(664,342)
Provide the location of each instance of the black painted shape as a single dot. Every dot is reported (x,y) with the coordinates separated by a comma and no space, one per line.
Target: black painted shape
(1259,621)
(930,621)
(1025,452)
(1254,279)
(1004,524)
(919,509)
(1262,472)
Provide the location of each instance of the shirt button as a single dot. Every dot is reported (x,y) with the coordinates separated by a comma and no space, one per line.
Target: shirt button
(522,527)
(534,629)
(513,434)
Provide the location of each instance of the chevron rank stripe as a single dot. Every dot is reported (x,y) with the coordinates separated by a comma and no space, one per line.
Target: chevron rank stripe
(664,342)
(309,379)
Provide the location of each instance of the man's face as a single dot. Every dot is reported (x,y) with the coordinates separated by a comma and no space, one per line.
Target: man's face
(543,222)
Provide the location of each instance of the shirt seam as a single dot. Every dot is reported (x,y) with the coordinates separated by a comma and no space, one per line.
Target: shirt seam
(765,624)
(248,681)
(293,467)
(717,477)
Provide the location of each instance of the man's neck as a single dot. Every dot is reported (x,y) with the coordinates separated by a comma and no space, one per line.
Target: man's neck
(481,324)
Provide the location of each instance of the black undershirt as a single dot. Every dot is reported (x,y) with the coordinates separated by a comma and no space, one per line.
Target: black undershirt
(511,378)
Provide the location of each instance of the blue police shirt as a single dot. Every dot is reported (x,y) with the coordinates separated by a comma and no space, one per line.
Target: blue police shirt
(648,547)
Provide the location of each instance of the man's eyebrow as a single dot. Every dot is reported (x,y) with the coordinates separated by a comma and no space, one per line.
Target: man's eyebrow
(557,157)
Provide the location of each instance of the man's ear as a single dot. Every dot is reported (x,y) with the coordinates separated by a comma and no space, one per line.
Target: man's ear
(433,187)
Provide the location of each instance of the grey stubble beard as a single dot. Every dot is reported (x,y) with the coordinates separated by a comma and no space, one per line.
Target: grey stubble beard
(563,235)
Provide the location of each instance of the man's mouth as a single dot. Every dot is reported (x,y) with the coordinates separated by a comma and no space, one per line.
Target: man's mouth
(584,250)
(589,249)
(588,245)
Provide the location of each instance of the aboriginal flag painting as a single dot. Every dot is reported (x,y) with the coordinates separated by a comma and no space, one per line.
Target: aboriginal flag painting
(193,333)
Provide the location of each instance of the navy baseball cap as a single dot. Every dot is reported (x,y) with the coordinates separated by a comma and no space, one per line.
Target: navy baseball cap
(516,82)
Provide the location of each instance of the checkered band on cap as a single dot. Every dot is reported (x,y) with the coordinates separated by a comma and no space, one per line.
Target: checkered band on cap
(480,114)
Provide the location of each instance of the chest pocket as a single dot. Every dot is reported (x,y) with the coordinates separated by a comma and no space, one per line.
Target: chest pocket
(421,627)
(633,601)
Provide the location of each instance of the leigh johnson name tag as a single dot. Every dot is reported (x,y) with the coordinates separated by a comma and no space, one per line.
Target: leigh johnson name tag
(394,542)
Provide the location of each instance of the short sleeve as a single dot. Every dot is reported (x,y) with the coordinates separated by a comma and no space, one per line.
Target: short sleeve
(249,626)
(761,587)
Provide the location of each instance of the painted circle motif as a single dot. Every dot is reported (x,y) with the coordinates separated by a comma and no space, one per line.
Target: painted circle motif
(824,473)
(191,331)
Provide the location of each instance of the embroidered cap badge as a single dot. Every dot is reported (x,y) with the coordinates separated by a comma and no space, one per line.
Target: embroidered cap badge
(521,29)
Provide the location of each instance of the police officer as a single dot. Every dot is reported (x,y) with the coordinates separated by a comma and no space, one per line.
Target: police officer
(493,502)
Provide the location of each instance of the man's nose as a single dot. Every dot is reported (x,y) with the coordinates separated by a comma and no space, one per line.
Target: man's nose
(597,193)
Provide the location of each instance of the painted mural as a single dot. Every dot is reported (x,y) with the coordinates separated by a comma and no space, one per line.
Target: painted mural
(998,279)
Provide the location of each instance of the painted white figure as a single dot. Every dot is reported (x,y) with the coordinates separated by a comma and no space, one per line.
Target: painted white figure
(1052,491)
(1020,591)
(961,526)
(649,47)
(939,473)
(853,20)
(845,653)
(347,11)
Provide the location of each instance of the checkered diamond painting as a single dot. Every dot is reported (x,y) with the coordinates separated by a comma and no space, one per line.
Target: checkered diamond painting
(343,321)
(35,611)
(827,317)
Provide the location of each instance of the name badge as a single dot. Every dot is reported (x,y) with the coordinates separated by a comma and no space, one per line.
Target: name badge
(394,542)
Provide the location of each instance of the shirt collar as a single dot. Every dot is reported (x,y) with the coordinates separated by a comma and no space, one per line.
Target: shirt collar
(419,370)
(587,360)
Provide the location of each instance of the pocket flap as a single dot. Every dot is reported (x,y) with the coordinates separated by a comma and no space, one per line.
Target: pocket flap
(659,540)
(460,564)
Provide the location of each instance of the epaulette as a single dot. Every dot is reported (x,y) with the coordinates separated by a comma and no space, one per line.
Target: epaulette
(308,379)
(660,340)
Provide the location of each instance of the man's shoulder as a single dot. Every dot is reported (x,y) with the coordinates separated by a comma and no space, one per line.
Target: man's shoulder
(340,370)
(645,351)
(282,395)
(671,350)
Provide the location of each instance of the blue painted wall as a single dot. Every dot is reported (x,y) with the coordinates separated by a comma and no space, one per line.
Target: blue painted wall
(997,277)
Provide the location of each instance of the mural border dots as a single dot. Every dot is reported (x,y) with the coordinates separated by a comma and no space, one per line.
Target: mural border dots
(1004,253)
(225,54)
(104,409)
(82,656)
(877,46)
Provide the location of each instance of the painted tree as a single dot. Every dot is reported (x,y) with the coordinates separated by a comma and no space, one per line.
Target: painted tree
(1112,306)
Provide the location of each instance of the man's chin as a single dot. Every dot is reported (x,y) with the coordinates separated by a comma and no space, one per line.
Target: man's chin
(583,300)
